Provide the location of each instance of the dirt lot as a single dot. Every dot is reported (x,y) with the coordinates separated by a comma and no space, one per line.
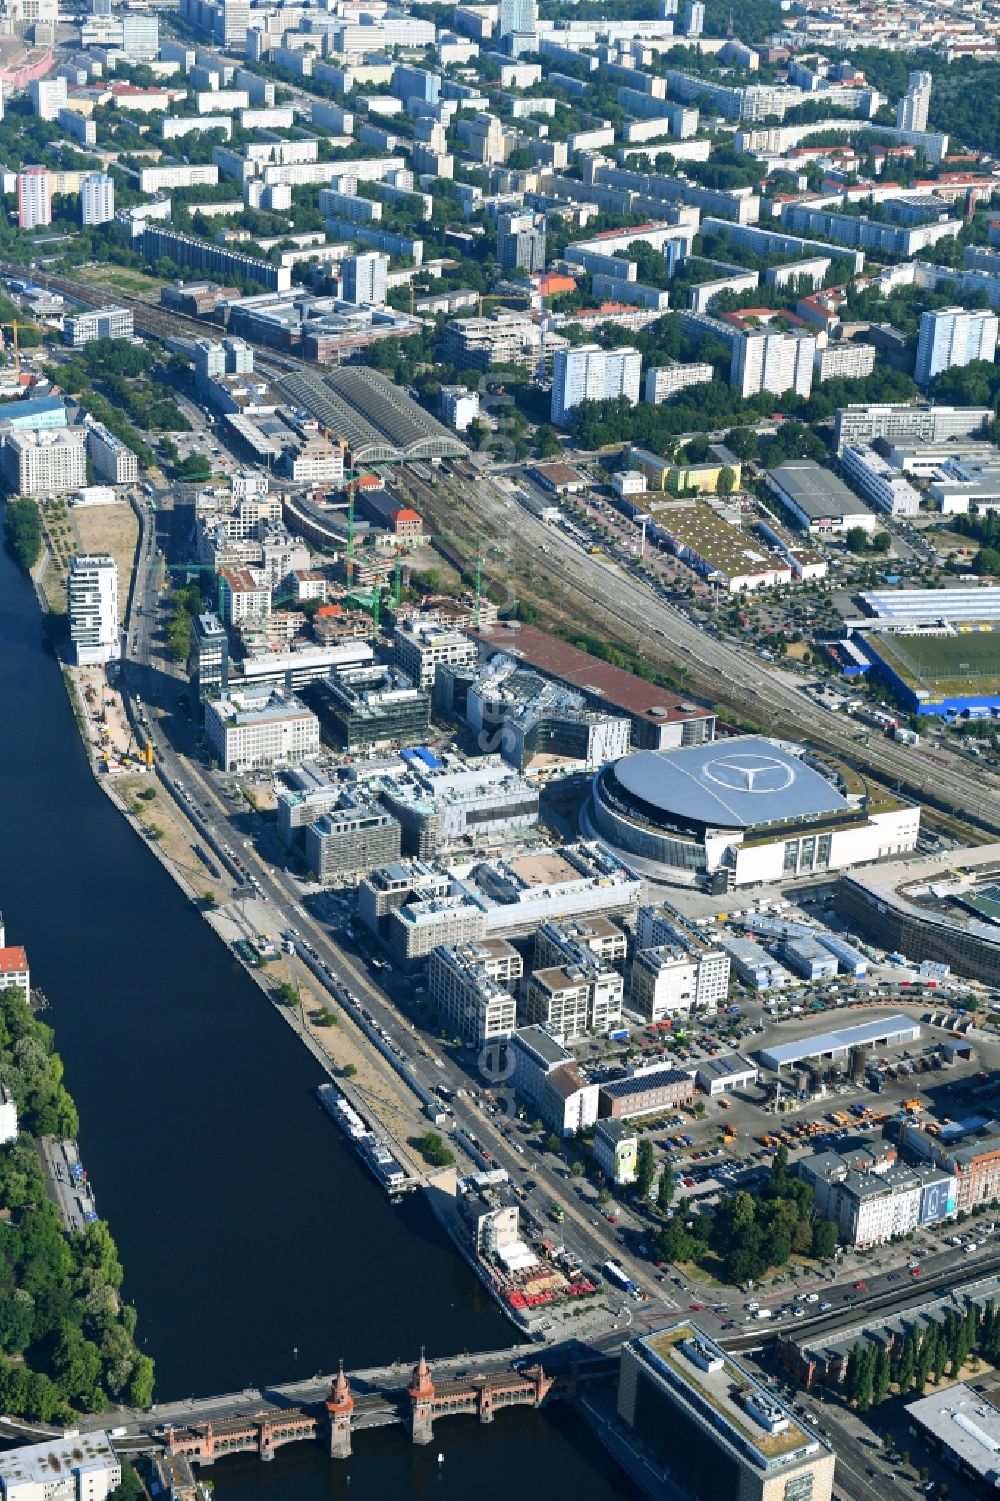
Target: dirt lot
(112,529)
(124,280)
(158,815)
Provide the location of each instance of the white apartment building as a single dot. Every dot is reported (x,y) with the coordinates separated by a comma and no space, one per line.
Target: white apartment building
(878,482)
(420,649)
(664,381)
(871,1206)
(844,361)
(114,462)
(575,999)
(768,359)
(61,1469)
(589,373)
(246,595)
(459,406)
(364,278)
(896,421)
(92,590)
(954,336)
(48,96)
(259,727)
(914,107)
(667,982)
(471,985)
(97,199)
(34,197)
(180,175)
(101,323)
(14,971)
(49,462)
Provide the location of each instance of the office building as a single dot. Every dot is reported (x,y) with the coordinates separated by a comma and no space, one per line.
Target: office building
(590,373)
(575,998)
(34,198)
(616,1151)
(914,107)
(72,1468)
(370,707)
(881,484)
(667,981)
(364,278)
(557,941)
(97,198)
(45,463)
(471,986)
(521,241)
(114,462)
(48,96)
(646,1090)
(92,589)
(101,323)
(458,806)
(769,359)
(350,839)
(871,1197)
(953,336)
(259,727)
(898,422)
(421,649)
(537,724)
(210,657)
(713,1426)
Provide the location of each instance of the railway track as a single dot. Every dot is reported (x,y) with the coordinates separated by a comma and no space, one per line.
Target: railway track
(714,670)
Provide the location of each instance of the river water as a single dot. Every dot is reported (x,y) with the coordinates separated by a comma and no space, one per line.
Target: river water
(256,1248)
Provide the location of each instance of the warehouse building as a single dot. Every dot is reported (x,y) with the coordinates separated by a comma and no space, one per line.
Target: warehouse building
(718,1076)
(887,1032)
(713,1427)
(817,500)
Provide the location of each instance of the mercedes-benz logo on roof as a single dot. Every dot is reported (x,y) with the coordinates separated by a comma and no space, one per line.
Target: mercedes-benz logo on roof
(749,773)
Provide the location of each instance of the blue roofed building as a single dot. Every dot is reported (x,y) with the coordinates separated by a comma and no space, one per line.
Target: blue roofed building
(33,414)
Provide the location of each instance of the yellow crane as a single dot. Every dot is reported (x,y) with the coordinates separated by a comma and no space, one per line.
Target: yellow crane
(17,353)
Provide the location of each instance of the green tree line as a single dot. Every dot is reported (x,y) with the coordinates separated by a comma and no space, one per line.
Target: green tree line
(67,1340)
(22,532)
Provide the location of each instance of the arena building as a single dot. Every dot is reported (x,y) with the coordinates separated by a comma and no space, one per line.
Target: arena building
(738,812)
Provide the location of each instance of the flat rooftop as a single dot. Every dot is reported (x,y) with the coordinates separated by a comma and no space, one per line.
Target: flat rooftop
(888,1030)
(965,1421)
(815,491)
(742,1409)
(547,868)
(915,606)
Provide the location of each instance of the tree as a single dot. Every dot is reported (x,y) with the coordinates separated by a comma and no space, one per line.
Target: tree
(348,1070)
(824,1238)
(552,1142)
(727,481)
(130,1488)
(140,1388)
(665,1190)
(577,1170)
(645,1168)
(883,1374)
(22,529)
(547,443)
(857,539)
(433,1149)
(987,561)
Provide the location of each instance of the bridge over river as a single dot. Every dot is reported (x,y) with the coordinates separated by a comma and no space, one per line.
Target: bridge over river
(331,1409)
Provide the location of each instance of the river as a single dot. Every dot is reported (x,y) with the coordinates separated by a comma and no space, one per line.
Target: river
(255,1246)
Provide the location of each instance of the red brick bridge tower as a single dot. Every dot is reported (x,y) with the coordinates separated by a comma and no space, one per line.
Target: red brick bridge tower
(339,1407)
(421,1393)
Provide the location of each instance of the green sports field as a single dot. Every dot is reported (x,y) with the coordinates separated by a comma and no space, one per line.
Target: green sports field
(945,664)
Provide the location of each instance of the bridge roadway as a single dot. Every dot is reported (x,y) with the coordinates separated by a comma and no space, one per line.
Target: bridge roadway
(724,674)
